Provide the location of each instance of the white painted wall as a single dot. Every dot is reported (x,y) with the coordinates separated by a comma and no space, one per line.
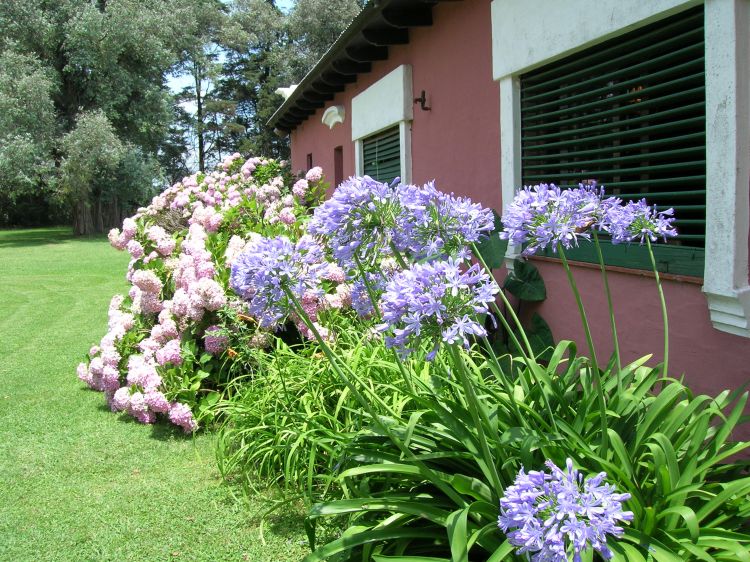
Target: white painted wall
(388,102)
(384,104)
(530,33)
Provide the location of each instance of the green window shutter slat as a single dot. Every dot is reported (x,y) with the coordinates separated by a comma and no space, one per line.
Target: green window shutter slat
(668,101)
(691,122)
(628,113)
(681,69)
(622,50)
(381,154)
(695,107)
(617,159)
(605,73)
(667,87)
(698,138)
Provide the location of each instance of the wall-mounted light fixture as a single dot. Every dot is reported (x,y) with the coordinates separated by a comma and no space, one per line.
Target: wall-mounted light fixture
(422,100)
(333,115)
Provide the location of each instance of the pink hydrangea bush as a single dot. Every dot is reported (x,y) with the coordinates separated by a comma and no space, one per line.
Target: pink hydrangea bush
(170,337)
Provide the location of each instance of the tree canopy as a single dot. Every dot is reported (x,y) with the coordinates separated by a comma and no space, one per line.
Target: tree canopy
(89,126)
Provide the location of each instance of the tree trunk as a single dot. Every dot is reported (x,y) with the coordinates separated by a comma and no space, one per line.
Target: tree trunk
(197,74)
(82,223)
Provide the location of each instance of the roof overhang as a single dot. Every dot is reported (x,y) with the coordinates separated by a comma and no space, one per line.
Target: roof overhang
(380,24)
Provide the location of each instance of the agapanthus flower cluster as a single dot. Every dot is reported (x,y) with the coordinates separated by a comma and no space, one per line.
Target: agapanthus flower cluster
(366,219)
(555,514)
(544,216)
(438,224)
(268,267)
(638,221)
(358,220)
(438,302)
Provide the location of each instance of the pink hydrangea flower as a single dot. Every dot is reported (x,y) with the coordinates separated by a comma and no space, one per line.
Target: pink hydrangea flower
(180,414)
(147,281)
(214,340)
(170,353)
(121,399)
(314,174)
(165,246)
(286,215)
(300,188)
(129,228)
(116,239)
(156,401)
(135,249)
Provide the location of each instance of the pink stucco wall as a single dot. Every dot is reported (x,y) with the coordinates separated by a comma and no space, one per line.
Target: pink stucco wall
(458,144)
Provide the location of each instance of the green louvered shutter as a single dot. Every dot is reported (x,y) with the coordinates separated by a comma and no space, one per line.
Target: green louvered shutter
(630,114)
(382,155)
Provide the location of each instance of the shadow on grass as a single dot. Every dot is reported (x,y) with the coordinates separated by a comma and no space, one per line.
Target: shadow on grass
(43,237)
(162,430)
(286,524)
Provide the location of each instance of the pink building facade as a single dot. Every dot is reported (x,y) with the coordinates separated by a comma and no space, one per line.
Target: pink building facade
(469,58)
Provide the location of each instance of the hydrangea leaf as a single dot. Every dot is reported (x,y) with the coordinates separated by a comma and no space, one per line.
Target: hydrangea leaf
(492,249)
(525,282)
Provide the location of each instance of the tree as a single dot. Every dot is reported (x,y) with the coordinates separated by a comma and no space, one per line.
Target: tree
(108,58)
(27,123)
(314,25)
(266,49)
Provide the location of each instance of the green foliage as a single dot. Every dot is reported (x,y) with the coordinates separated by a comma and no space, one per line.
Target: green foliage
(525,282)
(27,124)
(492,249)
(668,448)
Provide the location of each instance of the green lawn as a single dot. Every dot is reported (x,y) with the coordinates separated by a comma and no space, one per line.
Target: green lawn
(76,481)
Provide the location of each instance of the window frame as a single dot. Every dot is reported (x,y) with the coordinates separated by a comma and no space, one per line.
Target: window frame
(678,259)
(727,63)
(383,105)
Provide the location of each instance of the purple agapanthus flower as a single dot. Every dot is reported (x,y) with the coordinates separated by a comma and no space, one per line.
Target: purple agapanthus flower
(365,218)
(555,514)
(436,302)
(357,220)
(361,301)
(544,216)
(637,221)
(267,267)
(434,223)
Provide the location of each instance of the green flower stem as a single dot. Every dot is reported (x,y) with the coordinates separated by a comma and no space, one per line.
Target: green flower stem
(399,258)
(477,418)
(370,290)
(339,366)
(615,339)
(529,357)
(663,306)
(590,342)
(371,295)
(505,381)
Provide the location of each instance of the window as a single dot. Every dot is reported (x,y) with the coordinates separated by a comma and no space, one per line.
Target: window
(630,114)
(338,165)
(381,155)
(309,161)
(381,127)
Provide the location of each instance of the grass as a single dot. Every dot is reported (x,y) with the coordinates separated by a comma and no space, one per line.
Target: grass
(78,482)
